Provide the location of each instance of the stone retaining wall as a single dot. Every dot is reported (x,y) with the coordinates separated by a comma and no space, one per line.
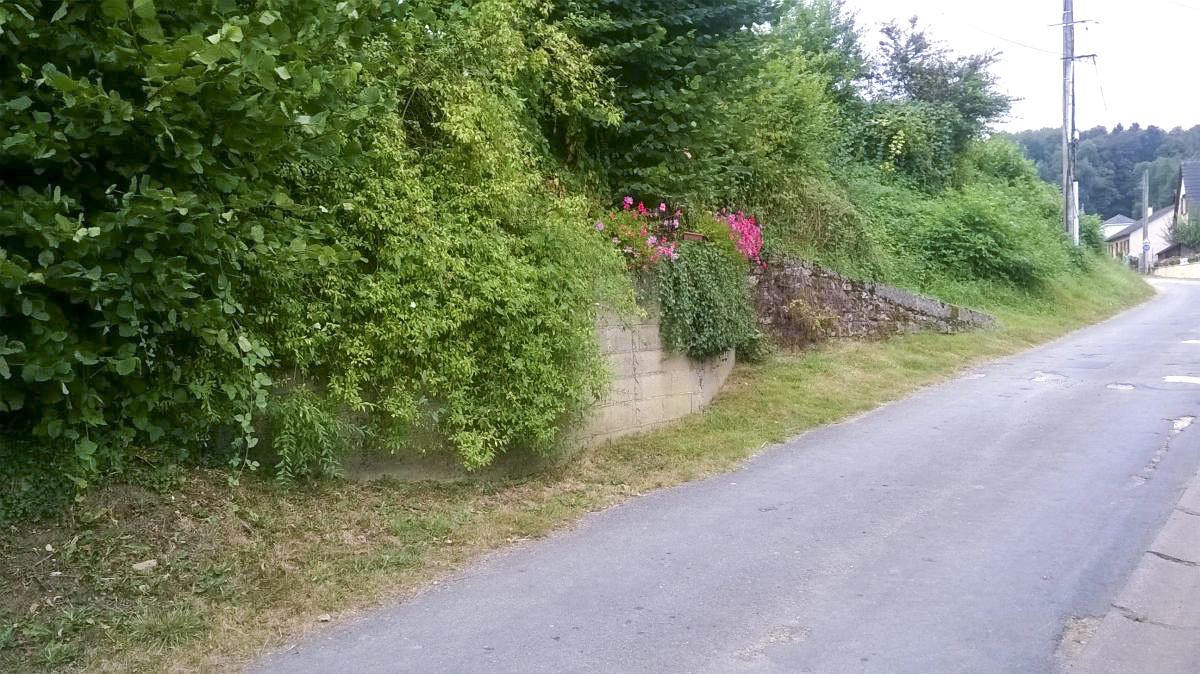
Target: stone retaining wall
(651,386)
(800,303)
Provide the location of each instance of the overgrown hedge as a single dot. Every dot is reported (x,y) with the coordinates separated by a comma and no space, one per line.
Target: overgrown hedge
(333,221)
(140,156)
(199,199)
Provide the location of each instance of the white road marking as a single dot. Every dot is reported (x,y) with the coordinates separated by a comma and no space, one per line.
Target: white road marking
(1182,380)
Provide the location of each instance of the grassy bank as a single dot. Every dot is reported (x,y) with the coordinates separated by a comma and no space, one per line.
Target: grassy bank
(241,570)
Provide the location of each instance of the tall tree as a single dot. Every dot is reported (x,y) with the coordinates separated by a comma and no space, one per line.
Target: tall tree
(676,66)
(928,105)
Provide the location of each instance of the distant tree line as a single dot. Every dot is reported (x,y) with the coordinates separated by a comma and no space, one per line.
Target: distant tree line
(1111,164)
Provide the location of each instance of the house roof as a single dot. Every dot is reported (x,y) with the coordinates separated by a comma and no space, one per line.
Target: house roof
(1165,210)
(1190,170)
(1117,220)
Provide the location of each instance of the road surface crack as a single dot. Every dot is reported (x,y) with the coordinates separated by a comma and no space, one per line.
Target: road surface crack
(1177,426)
(1169,558)
(1134,616)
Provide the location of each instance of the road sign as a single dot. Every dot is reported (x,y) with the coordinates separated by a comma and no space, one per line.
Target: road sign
(1145,246)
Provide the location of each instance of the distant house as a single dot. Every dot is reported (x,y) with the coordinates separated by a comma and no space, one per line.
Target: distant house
(1128,241)
(1114,224)
(1188,200)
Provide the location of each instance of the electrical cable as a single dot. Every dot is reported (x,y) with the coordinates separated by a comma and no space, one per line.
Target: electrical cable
(1099,83)
(968,25)
(1019,44)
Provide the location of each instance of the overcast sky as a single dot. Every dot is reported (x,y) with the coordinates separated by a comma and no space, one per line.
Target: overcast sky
(1146,52)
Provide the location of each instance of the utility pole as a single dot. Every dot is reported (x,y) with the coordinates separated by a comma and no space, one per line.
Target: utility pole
(1068,127)
(1145,258)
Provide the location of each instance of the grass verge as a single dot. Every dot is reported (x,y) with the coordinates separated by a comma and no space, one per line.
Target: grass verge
(201,576)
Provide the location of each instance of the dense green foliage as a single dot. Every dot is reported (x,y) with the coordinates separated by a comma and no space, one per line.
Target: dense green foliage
(1111,164)
(677,65)
(705,301)
(139,194)
(330,223)
(931,105)
(466,316)
(1000,226)
(198,197)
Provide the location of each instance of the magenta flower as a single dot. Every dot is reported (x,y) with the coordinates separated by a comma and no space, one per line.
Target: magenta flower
(599,226)
(628,202)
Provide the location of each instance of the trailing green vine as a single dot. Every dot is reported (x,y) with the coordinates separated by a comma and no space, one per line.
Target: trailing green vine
(705,301)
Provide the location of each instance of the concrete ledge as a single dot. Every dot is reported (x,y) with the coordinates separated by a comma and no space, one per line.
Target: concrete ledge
(1125,646)
(1154,624)
(1162,592)
(1179,538)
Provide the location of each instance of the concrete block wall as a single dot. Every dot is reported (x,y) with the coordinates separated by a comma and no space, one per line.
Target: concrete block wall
(650,386)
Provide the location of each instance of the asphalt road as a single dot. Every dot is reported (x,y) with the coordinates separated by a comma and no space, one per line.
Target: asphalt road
(956,531)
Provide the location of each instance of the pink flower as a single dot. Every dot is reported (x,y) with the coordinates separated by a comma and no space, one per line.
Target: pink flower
(599,226)
(652,240)
(662,208)
(628,202)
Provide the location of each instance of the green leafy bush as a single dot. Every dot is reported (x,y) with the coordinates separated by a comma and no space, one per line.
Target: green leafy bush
(973,240)
(465,318)
(705,301)
(307,436)
(139,149)
(1186,232)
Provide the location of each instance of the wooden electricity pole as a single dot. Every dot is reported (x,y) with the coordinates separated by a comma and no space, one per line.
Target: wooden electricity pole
(1068,127)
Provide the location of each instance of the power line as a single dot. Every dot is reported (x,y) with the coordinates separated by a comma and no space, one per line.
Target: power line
(960,21)
(1099,83)
(1019,44)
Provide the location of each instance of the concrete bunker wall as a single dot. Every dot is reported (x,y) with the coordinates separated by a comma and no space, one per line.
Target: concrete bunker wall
(650,386)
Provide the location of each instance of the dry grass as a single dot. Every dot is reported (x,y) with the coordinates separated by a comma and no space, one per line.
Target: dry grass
(242,570)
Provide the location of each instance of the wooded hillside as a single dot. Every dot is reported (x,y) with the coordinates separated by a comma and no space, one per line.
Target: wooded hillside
(1111,164)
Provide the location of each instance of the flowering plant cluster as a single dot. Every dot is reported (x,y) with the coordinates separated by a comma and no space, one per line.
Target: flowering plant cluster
(746,235)
(645,236)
